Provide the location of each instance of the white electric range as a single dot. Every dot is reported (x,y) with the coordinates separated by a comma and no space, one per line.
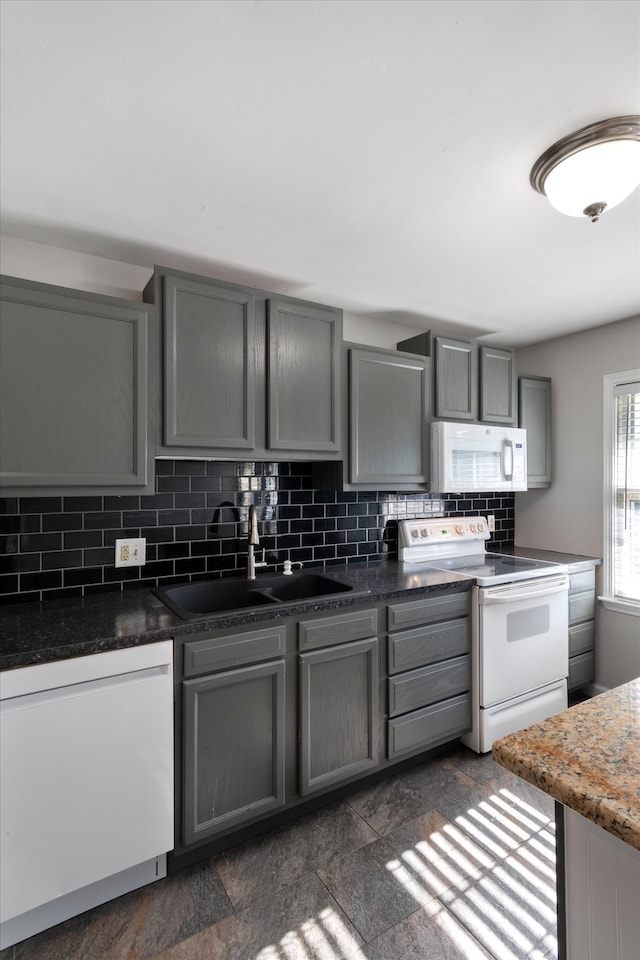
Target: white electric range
(520,647)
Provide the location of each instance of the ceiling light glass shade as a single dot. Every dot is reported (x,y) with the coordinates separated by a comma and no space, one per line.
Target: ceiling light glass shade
(592,170)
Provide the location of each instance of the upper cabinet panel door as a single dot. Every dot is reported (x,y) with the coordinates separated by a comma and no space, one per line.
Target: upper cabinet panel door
(497,386)
(534,413)
(209,356)
(303,377)
(456,379)
(73,391)
(388,414)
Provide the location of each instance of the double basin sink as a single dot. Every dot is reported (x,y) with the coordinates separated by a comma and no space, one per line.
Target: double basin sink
(192,601)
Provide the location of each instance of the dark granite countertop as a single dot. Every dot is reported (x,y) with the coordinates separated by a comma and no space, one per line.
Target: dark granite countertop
(56,630)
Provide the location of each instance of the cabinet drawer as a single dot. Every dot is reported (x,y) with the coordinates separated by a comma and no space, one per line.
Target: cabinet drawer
(428,644)
(328,631)
(581,638)
(420,688)
(224,652)
(428,609)
(581,670)
(582,606)
(430,726)
(583,581)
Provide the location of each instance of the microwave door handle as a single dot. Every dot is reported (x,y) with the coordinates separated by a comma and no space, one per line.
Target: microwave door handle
(507,459)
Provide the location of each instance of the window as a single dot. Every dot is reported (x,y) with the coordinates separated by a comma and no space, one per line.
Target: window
(622,491)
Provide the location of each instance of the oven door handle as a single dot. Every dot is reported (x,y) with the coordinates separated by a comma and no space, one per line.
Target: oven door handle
(509,594)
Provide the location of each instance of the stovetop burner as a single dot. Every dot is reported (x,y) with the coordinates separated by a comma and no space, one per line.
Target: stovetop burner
(456,545)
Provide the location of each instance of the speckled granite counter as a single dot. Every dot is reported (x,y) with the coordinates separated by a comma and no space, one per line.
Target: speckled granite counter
(56,630)
(587,758)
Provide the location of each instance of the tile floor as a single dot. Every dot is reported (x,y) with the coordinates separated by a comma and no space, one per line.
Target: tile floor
(453,858)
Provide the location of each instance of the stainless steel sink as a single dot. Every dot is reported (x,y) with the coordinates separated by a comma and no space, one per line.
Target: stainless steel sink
(191,601)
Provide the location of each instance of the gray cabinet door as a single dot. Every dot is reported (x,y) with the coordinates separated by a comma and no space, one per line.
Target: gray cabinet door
(497,386)
(210,368)
(534,414)
(456,379)
(339,720)
(233,748)
(303,377)
(73,391)
(388,419)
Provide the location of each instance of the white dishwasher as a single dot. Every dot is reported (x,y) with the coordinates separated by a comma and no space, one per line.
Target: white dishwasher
(86,783)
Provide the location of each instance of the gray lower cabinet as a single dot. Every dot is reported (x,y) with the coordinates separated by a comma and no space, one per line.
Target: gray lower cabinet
(534,415)
(73,392)
(231,752)
(429,663)
(244,373)
(582,611)
(339,714)
(269,718)
(233,748)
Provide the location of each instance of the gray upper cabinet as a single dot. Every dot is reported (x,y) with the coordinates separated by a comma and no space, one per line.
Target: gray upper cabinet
(456,379)
(534,414)
(497,386)
(303,377)
(471,382)
(209,366)
(388,421)
(73,392)
(385,419)
(245,373)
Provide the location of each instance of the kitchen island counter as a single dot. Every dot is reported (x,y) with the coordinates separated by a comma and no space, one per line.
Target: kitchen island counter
(587,758)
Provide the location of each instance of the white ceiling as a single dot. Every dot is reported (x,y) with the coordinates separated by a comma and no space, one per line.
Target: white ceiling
(372,154)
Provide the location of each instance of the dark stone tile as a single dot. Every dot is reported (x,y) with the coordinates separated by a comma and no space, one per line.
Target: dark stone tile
(296,922)
(141,924)
(497,817)
(285,854)
(480,767)
(430,933)
(383,882)
(507,911)
(404,796)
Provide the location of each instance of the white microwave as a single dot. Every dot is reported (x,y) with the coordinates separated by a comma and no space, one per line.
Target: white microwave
(477,456)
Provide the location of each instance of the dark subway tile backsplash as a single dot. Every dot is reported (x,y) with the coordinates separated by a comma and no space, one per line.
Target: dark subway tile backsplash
(195,528)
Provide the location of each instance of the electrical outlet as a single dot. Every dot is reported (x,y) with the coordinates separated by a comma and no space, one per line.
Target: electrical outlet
(491,523)
(131,553)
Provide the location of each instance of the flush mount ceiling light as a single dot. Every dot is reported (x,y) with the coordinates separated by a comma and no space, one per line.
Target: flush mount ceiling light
(591,170)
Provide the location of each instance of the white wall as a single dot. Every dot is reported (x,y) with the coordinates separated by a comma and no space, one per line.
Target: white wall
(568,516)
(82,271)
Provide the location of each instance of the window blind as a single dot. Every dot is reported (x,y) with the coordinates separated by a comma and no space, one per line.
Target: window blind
(626,493)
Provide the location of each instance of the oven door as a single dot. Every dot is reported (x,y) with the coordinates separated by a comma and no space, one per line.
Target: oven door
(523,640)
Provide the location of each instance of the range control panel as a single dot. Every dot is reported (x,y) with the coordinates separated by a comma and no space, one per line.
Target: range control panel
(418,539)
